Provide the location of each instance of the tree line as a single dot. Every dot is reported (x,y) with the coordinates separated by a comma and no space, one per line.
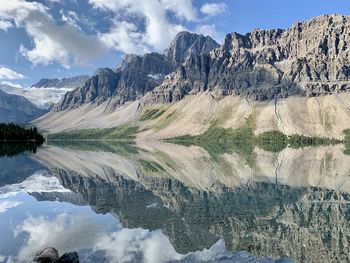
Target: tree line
(14,132)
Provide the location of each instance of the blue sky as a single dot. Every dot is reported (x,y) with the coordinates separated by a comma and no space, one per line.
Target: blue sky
(62,38)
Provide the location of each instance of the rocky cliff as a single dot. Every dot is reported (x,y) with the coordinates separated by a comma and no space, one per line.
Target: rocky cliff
(136,75)
(310,58)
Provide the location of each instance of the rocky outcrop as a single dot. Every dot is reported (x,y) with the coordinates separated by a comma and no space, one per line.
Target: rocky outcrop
(15,108)
(136,75)
(311,58)
(64,83)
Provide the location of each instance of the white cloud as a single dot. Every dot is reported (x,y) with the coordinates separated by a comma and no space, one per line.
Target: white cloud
(6,205)
(11,84)
(153,15)
(67,232)
(52,43)
(5,25)
(6,73)
(213,9)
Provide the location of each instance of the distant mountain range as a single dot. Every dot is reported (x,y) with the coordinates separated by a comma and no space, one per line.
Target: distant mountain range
(64,83)
(14,108)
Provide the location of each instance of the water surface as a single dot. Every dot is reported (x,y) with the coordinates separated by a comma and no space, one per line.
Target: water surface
(161,202)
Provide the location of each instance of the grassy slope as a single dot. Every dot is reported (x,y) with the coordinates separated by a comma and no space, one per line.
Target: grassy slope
(123,132)
(218,140)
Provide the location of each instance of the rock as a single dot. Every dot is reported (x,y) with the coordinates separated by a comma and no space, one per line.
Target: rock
(47,255)
(71,257)
(50,255)
(136,75)
(309,59)
(187,44)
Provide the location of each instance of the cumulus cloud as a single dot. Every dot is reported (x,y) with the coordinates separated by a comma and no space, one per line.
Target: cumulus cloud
(150,27)
(9,74)
(52,43)
(213,9)
(11,84)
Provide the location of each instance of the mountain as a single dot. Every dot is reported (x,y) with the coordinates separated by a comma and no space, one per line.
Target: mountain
(309,59)
(188,44)
(293,80)
(14,108)
(64,83)
(136,75)
(47,92)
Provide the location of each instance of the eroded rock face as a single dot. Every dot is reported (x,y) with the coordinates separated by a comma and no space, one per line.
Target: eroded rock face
(311,58)
(136,75)
(188,44)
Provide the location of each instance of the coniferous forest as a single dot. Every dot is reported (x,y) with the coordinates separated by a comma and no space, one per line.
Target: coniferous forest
(14,132)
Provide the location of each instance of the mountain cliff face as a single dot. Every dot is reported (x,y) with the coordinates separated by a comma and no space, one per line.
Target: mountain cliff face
(14,108)
(64,83)
(311,58)
(136,75)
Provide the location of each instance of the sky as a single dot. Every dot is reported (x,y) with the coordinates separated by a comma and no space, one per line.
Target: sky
(65,38)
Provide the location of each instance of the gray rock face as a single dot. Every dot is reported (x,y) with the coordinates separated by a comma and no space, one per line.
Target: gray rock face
(311,58)
(187,44)
(136,75)
(67,83)
(14,108)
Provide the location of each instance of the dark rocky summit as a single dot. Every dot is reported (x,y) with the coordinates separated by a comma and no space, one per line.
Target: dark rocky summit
(64,83)
(137,75)
(311,58)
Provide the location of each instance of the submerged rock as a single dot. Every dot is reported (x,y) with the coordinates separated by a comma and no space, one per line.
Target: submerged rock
(47,255)
(51,255)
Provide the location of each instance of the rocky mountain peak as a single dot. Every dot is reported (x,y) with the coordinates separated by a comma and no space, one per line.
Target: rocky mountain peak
(137,75)
(186,44)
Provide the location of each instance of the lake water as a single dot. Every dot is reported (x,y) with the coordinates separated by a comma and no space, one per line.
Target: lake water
(161,202)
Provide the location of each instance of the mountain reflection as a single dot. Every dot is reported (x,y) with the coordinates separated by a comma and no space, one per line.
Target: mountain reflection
(291,204)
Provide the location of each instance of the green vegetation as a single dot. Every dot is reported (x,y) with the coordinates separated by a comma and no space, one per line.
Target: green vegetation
(123,148)
(14,132)
(151,114)
(272,141)
(300,141)
(123,132)
(218,140)
(150,166)
(10,149)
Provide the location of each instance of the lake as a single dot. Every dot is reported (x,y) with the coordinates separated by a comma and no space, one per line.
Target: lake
(163,202)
